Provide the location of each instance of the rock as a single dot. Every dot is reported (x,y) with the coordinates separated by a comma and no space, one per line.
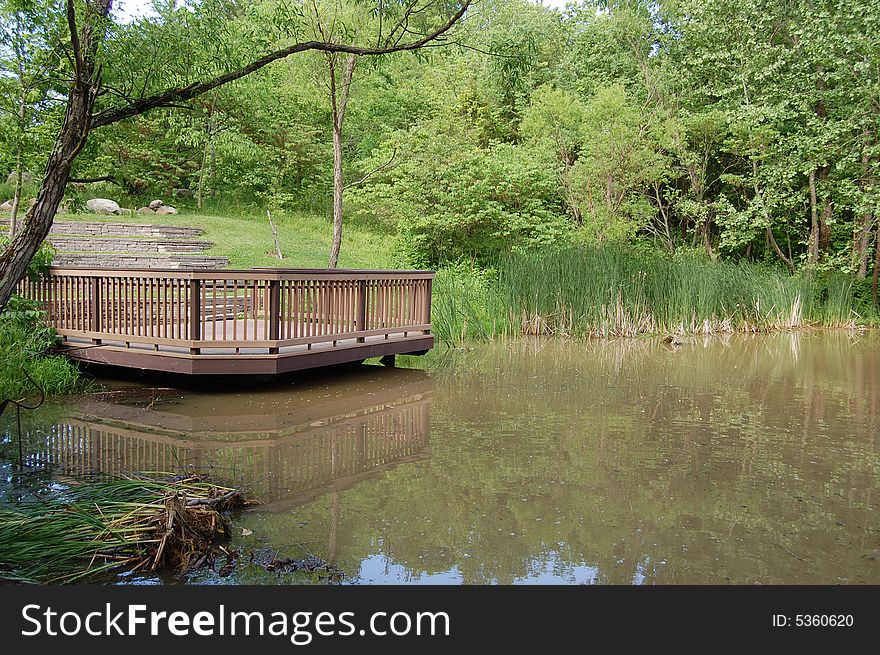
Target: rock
(145,210)
(155,204)
(26,178)
(166,210)
(103,206)
(183,193)
(6,206)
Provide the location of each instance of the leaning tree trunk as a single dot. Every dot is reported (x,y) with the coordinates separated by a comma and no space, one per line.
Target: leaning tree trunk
(339,100)
(70,141)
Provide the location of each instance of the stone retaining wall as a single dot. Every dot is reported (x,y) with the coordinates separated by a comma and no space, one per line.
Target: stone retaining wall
(97,229)
(92,244)
(80,244)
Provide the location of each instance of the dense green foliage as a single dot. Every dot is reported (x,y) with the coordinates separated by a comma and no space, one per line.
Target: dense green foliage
(718,132)
(24,342)
(27,368)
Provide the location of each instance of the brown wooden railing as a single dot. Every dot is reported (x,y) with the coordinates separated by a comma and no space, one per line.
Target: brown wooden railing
(263,310)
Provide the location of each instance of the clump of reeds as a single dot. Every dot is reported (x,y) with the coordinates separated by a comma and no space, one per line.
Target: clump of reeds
(618,292)
(122,524)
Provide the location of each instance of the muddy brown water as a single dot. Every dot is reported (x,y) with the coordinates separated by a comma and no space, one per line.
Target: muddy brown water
(738,460)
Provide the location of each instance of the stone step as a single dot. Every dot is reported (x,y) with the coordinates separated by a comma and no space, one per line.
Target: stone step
(128,230)
(87,244)
(115,261)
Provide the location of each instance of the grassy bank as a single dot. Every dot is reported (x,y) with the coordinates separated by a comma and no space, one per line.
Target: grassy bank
(246,239)
(612,292)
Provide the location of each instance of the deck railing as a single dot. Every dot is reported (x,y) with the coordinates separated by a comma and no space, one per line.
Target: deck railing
(258,310)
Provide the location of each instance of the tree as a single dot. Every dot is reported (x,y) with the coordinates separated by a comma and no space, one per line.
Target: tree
(555,121)
(89,23)
(619,163)
(26,28)
(340,76)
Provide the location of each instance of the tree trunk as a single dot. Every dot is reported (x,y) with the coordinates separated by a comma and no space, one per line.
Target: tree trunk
(825,215)
(861,243)
(876,277)
(862,227)
(706,232)
(813,252)
(771,241)
(209,145)
(70,141)
(339,101)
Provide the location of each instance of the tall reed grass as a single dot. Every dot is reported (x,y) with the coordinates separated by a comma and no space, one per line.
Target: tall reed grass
(615,292)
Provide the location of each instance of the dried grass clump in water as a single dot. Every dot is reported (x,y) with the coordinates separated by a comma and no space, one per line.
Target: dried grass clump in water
(126,524)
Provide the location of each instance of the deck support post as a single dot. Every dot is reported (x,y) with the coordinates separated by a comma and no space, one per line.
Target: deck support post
(274,313)
(195,313)
(387,360)
(361,315)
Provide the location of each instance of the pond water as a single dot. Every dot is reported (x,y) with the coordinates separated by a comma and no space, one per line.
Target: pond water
(725,460)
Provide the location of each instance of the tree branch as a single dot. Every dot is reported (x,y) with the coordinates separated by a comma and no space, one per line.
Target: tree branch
(375,171)
(93,180)
(771,240)
(74,40)
(183,94)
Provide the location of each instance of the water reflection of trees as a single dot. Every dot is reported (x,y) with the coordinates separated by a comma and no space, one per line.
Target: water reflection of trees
(752,460)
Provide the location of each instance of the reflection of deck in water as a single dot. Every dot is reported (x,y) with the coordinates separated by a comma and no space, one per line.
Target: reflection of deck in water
(292,457)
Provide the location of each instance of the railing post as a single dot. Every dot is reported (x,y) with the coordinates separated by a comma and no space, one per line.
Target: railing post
(95,307)
(427,309)
(195,313)
(274,313)
(360,320)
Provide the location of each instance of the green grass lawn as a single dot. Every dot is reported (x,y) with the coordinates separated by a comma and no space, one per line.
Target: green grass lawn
(247,240)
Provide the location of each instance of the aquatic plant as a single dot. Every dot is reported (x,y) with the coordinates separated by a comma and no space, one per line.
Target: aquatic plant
(615,292)
(97,526)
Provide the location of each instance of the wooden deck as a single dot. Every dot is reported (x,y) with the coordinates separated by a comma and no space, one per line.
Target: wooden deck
(259,321)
